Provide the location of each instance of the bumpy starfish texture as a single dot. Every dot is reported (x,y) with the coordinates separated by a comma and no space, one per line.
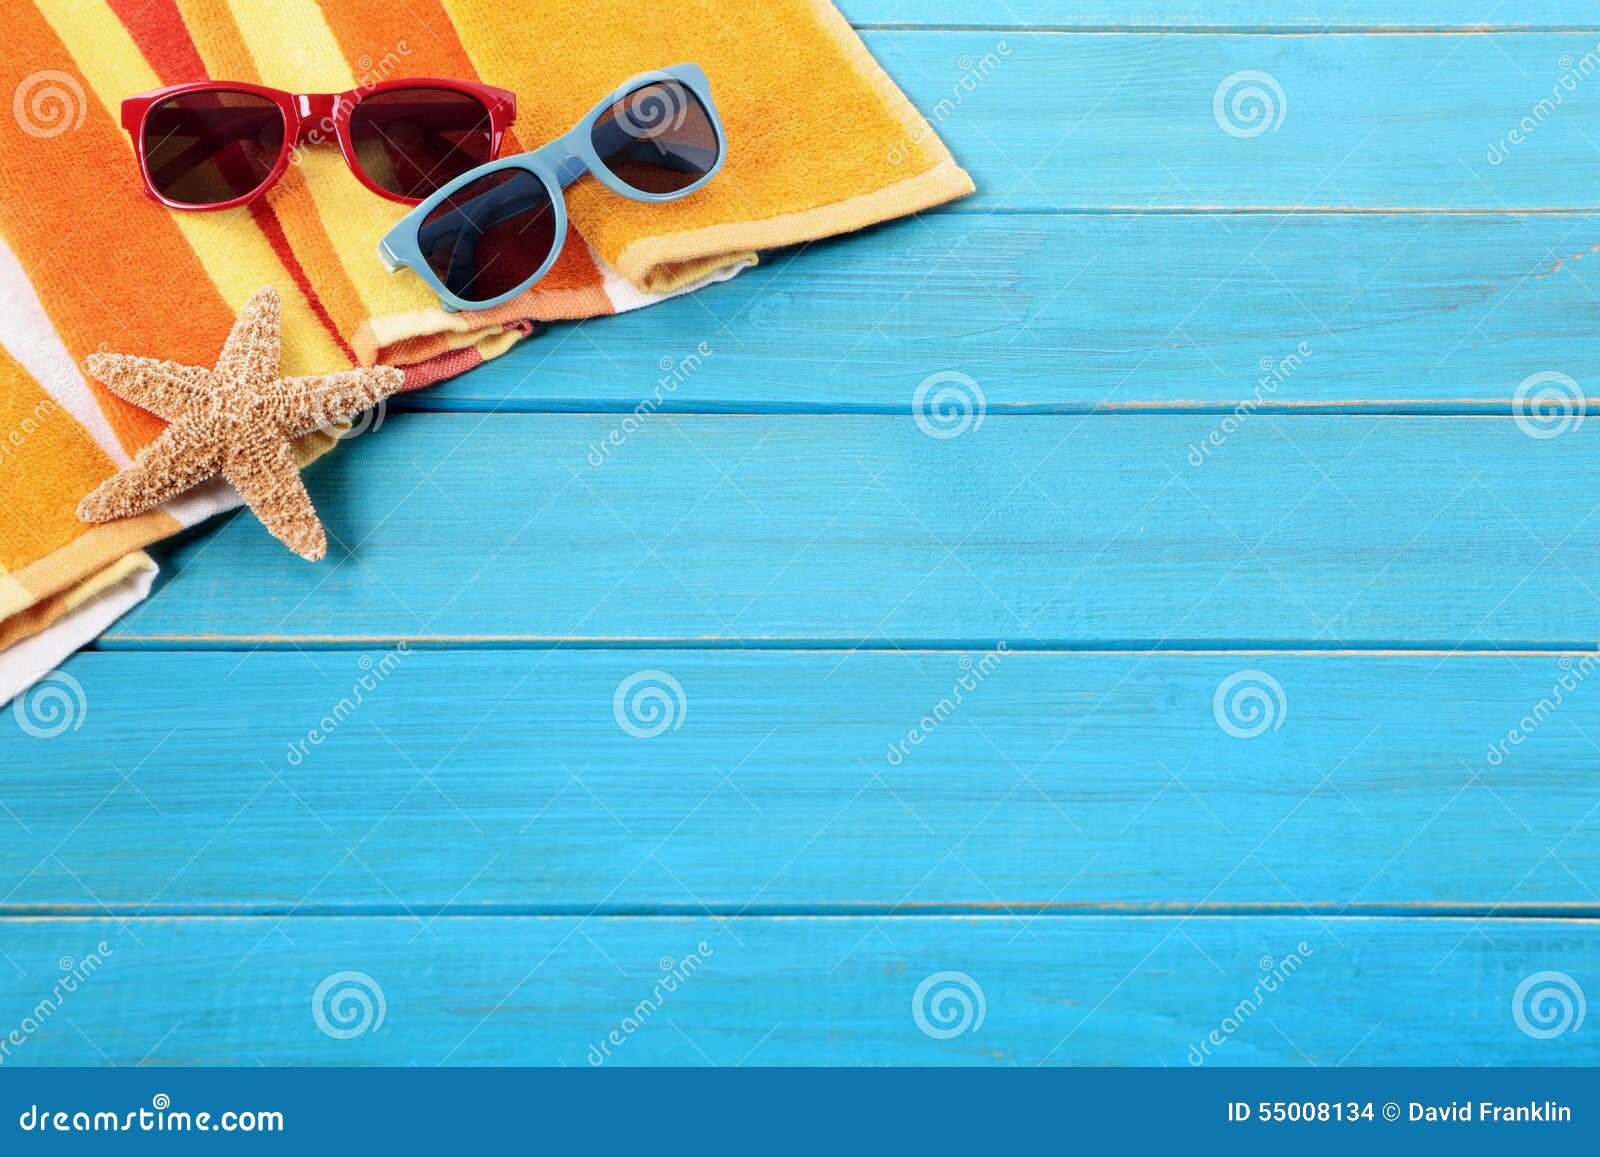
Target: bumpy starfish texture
(237,420)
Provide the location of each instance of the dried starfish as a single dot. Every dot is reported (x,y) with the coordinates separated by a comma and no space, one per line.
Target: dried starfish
(237,420)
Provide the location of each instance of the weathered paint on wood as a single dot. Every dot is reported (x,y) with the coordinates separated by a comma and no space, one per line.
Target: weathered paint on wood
(1102,990)
(516,781)
(1073,313)
(1086,122)
(1248,15)
(1040,530)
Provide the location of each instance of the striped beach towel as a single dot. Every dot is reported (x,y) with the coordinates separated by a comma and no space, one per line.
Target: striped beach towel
(820,142)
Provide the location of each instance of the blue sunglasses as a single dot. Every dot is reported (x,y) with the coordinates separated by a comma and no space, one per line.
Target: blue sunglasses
(492,232)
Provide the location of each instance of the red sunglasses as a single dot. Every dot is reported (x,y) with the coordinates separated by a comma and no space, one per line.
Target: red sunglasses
(216,144)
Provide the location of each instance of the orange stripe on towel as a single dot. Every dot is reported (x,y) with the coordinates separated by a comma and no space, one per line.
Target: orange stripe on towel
(108,263)
(47,462)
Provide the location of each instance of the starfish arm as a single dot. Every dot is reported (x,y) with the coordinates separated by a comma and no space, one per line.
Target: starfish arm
(264,472)
(166,389)
(176,461)
(305,404)
(249,357)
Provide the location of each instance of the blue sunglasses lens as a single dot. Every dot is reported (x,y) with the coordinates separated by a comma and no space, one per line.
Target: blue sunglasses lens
(491,235)
(658,139)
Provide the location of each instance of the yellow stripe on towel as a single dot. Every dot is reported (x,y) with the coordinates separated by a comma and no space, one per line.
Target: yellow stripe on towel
(294,49)
(237,258)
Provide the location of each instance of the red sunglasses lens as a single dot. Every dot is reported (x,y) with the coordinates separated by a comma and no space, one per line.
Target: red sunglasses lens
(658,139)
(206,148)
(411,141)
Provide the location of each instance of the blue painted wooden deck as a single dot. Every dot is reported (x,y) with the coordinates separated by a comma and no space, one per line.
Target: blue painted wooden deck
(1150,715)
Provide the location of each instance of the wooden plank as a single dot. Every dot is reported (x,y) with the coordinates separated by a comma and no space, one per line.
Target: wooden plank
(1245,15)
(506,781)
(1066,122)
(1064,313)
(1043,531)
(1102,990)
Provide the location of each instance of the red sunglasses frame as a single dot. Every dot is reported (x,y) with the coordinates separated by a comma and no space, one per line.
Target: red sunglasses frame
(305,114)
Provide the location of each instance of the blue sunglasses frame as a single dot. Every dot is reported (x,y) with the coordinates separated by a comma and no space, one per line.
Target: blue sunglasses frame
(556,165)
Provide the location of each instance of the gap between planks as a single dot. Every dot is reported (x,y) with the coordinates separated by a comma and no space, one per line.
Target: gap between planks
(1420,408)
(1239,30)
(1324,911)
(957,208)
(466,644)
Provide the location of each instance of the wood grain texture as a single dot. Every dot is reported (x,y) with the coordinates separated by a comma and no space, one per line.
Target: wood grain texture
(1071,122)
(781,782)
(1043,531)
(1247,15)
(1067,313)
(1102,990)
